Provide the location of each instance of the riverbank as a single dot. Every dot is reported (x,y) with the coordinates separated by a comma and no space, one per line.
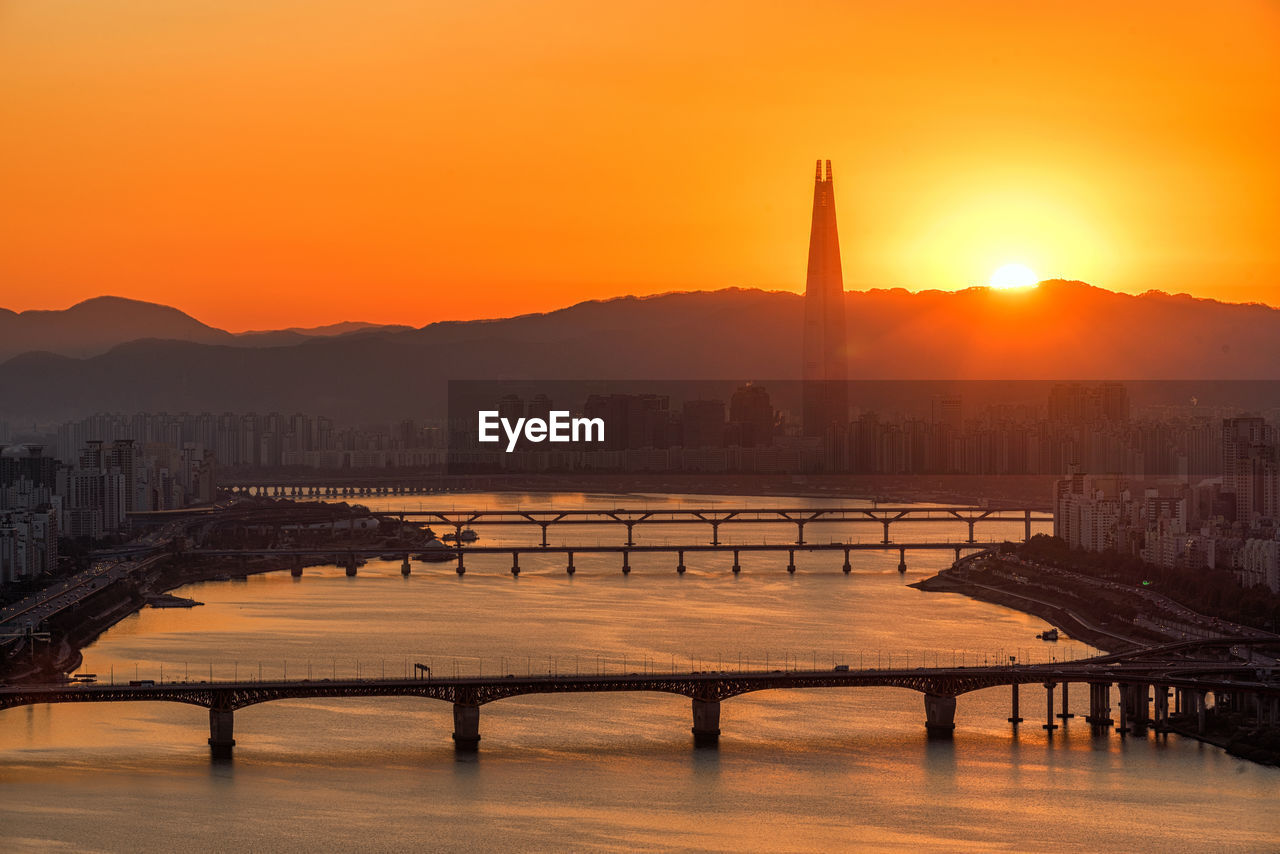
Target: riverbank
(1106,617)
(1227,732)
(77,627)
(1092,627)
(97,598)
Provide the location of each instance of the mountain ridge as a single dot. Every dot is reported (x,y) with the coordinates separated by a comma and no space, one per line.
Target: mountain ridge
(96,325)
(1062,330)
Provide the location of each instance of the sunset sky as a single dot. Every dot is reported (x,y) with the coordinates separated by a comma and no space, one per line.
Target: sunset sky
(262,163)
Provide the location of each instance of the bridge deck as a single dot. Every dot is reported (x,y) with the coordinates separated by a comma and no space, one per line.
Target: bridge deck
(362,551)
(940,687)
(710,686)
(724,515)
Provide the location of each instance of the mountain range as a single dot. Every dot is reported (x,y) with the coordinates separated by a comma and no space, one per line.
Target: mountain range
(110,354)
(96,325)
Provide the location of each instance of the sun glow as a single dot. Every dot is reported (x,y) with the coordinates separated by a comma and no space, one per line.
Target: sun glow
(1014,276)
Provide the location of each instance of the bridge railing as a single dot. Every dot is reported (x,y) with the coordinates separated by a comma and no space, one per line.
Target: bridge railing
(572,664)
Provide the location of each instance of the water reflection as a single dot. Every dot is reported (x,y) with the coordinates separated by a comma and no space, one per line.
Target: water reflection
(795,770)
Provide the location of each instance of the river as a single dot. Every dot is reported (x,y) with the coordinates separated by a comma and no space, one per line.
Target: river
(795,770)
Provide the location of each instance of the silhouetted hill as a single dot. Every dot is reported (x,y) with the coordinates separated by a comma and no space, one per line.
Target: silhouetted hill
(1062,330)
(346,327)
(96,325)
(298,334)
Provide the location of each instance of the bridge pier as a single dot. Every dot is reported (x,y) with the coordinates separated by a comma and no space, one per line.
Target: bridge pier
(630,530)
(680,563)
(1099,705)
(1139,708)
(971,524)
(462,567)
(791,561)
(515,563)
(405,568)
(737,567)
(1161,721)
(1065,713)
(1126,708)
(1014,717)
(570,569)
(351,565)
(706,723)
(799,533)
(466,728)
(939,715)
(626,562)
(221,725)
(902,560)
(544,533)
(885,522)
(847,567)
(296,569)
(715,533)
(1048,693)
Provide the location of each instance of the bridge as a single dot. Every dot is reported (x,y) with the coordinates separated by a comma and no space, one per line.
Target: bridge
(1141,675)
(710,517)
(714,517)
(350,557)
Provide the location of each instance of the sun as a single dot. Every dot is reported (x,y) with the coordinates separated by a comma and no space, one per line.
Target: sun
(1014,276)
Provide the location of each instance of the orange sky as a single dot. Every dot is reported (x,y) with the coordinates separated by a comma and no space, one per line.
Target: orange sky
(264,163)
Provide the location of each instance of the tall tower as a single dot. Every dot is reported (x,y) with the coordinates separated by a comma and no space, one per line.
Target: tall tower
(826,357)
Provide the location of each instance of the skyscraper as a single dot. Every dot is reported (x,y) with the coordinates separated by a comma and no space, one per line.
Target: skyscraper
(826,357)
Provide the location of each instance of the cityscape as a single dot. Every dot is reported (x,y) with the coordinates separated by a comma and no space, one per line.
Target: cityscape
(476,507)
(1197,492)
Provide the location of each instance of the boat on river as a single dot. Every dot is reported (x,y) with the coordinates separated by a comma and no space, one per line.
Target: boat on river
(435,551)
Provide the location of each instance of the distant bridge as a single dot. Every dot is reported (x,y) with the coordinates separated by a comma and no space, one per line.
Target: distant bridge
(714,517)
(457,554)
(1233,683)
(711,517)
